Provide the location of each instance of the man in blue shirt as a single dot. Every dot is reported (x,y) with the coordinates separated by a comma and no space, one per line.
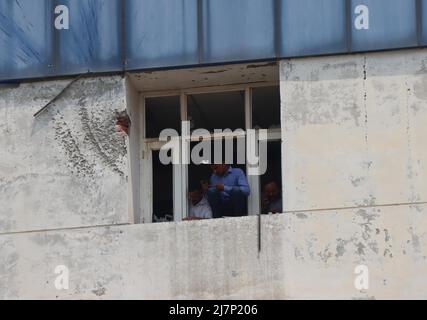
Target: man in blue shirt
(228,191)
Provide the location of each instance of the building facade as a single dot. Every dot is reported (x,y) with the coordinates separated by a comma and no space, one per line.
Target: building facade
(346,120)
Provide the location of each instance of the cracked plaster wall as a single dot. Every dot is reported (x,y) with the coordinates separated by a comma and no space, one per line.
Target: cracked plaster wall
(354,130)
(355,174)
(67,167)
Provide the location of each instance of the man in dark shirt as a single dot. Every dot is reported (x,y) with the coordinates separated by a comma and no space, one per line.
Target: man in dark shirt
(272,199)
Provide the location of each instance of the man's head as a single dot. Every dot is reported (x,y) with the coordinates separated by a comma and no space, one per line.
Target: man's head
(195,195)
(272,191)
(220,169)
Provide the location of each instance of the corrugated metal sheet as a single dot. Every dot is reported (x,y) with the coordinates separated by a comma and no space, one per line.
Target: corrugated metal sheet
(114,35)
(422,21)
(26,39)
(161,33)
(94,38)
(392,24)
(237,30)
(313,27)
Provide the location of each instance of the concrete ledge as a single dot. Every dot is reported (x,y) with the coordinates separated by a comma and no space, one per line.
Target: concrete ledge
(304,255)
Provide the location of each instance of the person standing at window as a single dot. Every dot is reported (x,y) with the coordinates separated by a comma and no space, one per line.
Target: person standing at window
(199,205)
(272,199)
(228,191)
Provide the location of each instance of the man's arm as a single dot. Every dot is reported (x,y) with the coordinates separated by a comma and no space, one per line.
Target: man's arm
(242,185)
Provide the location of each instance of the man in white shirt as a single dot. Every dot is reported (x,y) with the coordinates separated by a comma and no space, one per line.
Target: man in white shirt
(199,206)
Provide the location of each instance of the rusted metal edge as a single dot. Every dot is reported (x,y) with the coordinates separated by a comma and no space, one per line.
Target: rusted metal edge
(60,94)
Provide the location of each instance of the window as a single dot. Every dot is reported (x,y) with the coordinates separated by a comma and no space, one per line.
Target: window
(162,190)
(266,115)
(236,108)
(224,110)
(266,108)
(161,113)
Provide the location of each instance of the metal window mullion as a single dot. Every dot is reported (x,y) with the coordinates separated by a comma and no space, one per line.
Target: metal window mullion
(177,197)
(146,168)
(254,205)
(184,165)
(419,21)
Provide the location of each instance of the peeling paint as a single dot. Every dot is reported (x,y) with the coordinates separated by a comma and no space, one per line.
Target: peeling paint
(70,152)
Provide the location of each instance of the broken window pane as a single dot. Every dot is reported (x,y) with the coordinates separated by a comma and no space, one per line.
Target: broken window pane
(162,190)
(266,108)
(272,176)
(162,113)
(225,110)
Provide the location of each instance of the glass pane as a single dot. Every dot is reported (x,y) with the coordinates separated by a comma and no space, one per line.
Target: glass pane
(271,186)
(162,190)
(211,111)
(162,113)
(266,108)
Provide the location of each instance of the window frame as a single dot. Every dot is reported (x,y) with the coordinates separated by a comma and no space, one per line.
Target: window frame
(180,172)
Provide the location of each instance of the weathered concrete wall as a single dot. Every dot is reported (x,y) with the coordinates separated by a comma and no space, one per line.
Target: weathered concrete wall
(67,167)
(354,130)
(134,152)
(304,256)
(355,169)
(354,150)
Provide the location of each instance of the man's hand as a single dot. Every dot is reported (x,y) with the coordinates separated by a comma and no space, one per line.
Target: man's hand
(220,187)
(265,201)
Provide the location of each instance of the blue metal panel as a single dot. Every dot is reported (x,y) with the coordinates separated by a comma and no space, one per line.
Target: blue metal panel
(423,22)
(238,30)
(93,41)
(169,33)
(311,27)
(161,33)
(26,39)
(392,24)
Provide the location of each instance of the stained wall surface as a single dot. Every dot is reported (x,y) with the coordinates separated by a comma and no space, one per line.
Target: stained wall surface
(304,256)
(48,38)
(354,160)
(354,130)
(66,167)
